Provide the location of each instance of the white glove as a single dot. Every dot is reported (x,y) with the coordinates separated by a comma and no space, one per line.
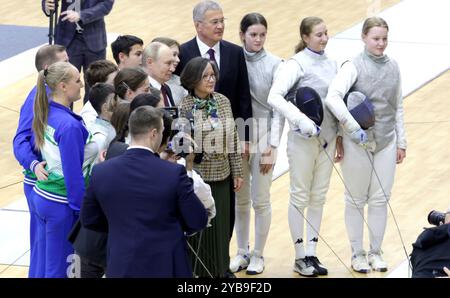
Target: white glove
(308,132)
(359,137)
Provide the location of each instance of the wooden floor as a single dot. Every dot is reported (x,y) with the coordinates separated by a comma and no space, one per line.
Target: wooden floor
(421,182)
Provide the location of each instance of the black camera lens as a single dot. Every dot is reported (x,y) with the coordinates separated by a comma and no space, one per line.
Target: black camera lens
(436,217)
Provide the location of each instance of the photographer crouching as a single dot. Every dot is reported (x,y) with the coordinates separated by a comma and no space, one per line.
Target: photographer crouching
(431,251)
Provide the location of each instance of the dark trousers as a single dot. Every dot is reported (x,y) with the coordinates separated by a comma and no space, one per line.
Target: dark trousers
(232,208)
(81,57)
(90,269)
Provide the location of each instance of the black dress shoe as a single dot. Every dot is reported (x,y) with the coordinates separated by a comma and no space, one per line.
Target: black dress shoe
(229,274)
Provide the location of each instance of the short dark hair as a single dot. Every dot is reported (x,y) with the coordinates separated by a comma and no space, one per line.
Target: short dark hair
(144,99)
(46,55)
(193,72)
(144,119)
(128,78)
(98,71)
(98,95)
(251,19)
(123,44)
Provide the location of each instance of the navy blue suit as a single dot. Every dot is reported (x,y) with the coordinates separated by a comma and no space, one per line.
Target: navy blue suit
(90,46)
(233,81)
(145,204)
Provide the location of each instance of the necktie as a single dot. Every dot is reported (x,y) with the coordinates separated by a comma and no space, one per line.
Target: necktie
(164,94)
(212,57)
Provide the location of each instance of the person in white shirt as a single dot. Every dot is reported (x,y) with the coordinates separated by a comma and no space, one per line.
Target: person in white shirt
(369,173)
(258,165)
(309,154)
(101,71)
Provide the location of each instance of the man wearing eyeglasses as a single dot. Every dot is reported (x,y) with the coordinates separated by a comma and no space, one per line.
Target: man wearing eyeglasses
(210,25)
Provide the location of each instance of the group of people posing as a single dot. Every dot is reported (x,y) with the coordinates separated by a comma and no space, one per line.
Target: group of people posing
(145,215)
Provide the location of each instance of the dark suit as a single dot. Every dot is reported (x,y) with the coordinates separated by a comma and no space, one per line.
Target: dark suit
(90,46)
(233,81)
(146,204)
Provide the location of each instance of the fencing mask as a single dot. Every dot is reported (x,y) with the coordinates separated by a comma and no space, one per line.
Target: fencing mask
(361,108)
(309,102)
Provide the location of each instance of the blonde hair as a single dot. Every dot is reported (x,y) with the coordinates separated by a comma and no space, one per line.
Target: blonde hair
(55,74)
(306,27)
(373,22)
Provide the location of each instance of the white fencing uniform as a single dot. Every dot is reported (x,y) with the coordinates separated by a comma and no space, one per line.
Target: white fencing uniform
(309,166)
(379,79)
(261,68)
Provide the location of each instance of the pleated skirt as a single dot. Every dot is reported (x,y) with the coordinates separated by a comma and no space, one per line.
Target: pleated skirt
(212,244)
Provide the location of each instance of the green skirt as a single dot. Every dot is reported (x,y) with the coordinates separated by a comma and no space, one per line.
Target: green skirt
(212,244)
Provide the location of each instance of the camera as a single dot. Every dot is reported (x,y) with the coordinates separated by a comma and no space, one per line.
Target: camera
(181,140)
(436,218)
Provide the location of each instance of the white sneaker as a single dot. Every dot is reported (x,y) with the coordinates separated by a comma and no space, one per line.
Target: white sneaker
(256,265)
(377,263)
(305,268)
(359,263)
(239,262)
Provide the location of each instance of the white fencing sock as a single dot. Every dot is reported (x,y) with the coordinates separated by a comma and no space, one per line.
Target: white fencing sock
(314,218)
(296,219)
(377,218)
(242,227)
(354,221)
(262,225)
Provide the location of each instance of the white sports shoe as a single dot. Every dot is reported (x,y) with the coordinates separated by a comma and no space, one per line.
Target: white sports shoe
(239,262)
(377,263)
(256,265)
(359,263)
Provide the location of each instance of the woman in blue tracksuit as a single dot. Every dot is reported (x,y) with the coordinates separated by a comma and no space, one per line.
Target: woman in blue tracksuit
(67,147)
(24,151)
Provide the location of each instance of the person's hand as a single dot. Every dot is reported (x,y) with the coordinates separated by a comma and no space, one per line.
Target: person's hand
(40,172)
(49,5)
(339,150)
(359,137)
(190,161)
(245,151)
(169,156)
(237,184)
(447,271)
(267,161)
(401,154)
(71,16)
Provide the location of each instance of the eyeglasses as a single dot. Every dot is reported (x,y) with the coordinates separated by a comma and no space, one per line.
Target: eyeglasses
(208,78)
(215,22)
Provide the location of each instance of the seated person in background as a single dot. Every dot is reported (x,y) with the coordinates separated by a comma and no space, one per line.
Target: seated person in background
(101,71)
(150,242)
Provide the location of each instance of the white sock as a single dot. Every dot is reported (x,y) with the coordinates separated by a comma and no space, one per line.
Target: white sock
(354,221)
(314,218)
(242,227)
(296,219)
(376,218)
(262,226)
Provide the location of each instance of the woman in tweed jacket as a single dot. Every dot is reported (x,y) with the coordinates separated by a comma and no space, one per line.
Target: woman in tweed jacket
(221,163)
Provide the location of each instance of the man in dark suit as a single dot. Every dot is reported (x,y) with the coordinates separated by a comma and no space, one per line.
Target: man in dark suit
(81,29)
(233,83)
(158,62)
(146,204)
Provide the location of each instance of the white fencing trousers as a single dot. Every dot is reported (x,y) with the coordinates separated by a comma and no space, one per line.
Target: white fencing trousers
(255,189)
(364,188)
(309,169)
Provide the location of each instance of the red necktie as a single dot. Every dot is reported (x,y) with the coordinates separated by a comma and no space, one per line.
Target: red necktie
(212,57)
(164,94)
